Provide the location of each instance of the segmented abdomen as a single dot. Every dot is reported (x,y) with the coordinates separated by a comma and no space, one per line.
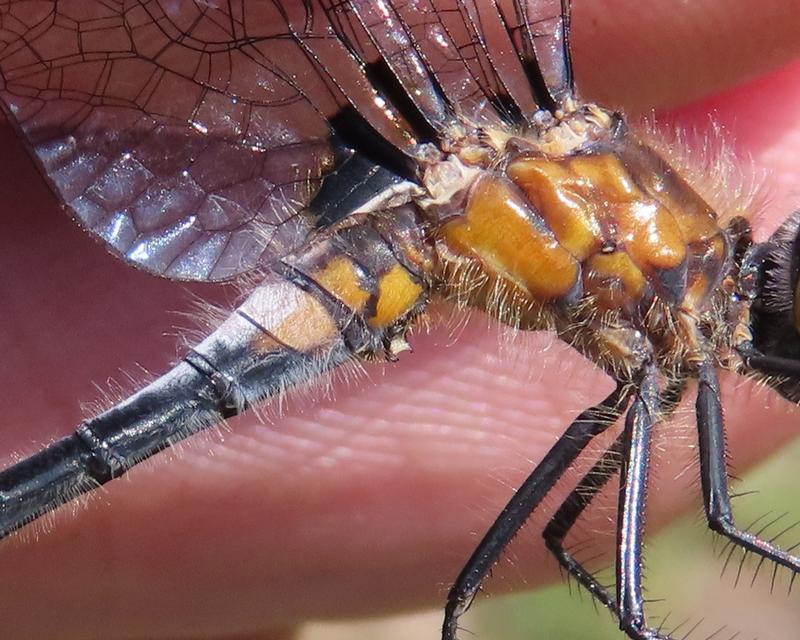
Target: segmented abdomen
(349,292)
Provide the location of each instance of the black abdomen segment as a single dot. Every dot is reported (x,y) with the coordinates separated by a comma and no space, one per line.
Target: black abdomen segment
(180,403)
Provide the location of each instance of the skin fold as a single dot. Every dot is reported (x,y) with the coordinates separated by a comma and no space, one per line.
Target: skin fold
(369,499)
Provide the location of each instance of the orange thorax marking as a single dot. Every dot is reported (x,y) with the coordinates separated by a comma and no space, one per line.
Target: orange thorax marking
(500,230)
(591,202)
(549,225)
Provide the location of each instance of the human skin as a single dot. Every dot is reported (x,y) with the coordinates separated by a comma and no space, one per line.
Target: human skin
(367,501)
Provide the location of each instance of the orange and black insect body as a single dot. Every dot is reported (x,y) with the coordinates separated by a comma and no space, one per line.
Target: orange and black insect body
(350,294)
(361,164)
(603,242)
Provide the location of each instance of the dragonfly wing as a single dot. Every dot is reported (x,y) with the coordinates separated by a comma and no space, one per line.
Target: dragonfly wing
(171,131)
(540,32)
(462,57)
(191,137)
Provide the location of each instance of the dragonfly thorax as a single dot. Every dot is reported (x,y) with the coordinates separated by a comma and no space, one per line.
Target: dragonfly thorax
(600,238)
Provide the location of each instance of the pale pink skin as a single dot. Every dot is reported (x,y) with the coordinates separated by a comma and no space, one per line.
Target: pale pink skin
(371,501)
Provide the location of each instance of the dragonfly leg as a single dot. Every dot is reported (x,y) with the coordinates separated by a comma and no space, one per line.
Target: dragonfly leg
(566,516)
(570,510)
(579,499)
(563,453)
(637,440)
(714,474)
(630,453)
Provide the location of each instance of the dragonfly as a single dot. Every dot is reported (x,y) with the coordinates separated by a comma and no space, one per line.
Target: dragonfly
(352,162)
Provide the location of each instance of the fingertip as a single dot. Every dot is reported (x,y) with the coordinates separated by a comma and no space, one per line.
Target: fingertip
(645,55)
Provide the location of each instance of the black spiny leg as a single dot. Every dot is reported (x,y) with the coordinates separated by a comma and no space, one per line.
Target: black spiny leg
(634,444)
(773,365)
(632,501)
(576,502)
(714,474)
(568,513)
(563,453)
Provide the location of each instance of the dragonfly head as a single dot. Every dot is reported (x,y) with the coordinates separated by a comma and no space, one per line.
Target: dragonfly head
(775,313)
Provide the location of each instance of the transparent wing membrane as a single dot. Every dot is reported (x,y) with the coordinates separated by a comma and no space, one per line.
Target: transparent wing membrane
(170,131)
(539,30)
(190,137)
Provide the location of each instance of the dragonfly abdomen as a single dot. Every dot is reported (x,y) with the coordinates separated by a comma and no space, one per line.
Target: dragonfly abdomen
(350,293)
(372,277)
